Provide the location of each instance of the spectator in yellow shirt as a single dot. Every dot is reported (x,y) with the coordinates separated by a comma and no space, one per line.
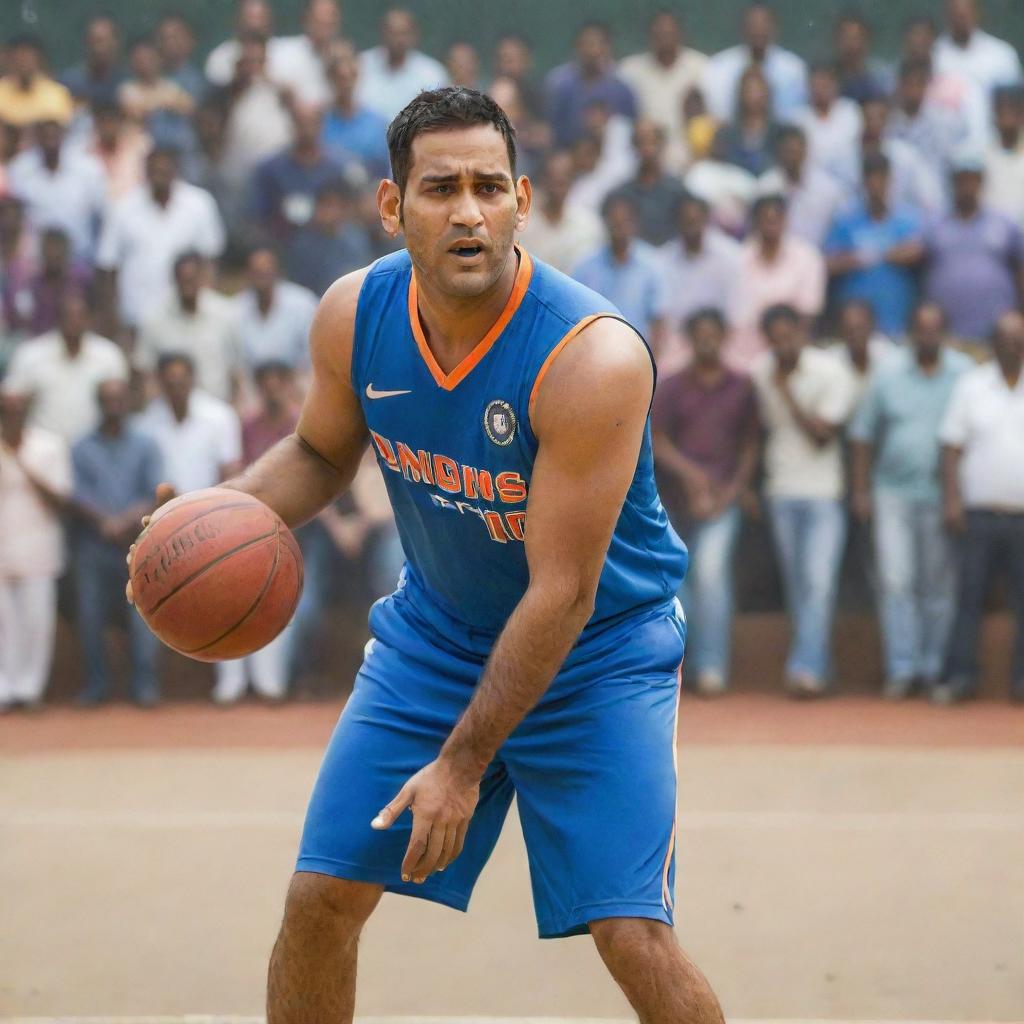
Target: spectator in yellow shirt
(27,94)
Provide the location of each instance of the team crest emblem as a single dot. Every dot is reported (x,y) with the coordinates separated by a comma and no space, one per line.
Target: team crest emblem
(500,422)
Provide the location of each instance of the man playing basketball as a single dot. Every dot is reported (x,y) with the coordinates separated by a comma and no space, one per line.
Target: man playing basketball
(540,662)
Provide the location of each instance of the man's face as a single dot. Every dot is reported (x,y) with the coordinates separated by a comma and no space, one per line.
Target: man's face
(876,187)
(792,153)
(648,142)
(758,29)
(252,61)
(876,114)
(176,383)
(262,270)
(160,171)
(558,176)
(175,40)
(770,223)
(330,212)
(102,42)
(344,70)
(112,396)
(912,89)
(275,387)
(927,331)
(967,188)
(50,136)
(1009,116)
(308,122)
(512,59)
(823,87)
(463,65)
(962,16)
(460,210)
(852,41)
(620,223)
(856,325)
(693,219)
(664,36)
(1008,341)
(593,50)
(23,61)
(188,279)
(786,340)
(74,316)
(706,339)
(399,33)
(108,127)
(918,40)
(254,16)
(145,62)
(322,22)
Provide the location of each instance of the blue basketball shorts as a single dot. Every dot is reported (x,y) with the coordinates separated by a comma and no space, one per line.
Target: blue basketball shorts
(592,767)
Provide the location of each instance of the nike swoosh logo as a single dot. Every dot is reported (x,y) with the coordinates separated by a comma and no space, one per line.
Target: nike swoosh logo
(372,392)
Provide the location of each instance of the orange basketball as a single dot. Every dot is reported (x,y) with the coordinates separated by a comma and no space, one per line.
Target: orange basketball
(216,574)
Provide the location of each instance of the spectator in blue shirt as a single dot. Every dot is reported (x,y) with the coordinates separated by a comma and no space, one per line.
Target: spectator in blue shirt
(176,40)
(573,87)
(98,77)
(116,470)
(874,248)
(626,271)
(348,127)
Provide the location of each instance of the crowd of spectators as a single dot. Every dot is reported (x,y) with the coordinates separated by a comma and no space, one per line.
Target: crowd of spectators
(826,257)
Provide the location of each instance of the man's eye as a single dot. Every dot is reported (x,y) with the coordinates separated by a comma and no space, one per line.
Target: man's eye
(442,189)
(490,188)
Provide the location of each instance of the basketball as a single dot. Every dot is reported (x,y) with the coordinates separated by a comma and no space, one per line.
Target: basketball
(216,574)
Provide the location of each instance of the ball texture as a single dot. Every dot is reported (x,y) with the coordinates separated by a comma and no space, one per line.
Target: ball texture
(216,574)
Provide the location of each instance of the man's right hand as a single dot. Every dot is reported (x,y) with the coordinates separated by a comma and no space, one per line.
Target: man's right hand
(164,493)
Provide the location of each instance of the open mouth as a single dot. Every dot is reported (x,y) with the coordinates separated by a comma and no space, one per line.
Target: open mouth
(467,251)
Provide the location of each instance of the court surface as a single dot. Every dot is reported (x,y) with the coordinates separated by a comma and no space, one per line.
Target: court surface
(841,861)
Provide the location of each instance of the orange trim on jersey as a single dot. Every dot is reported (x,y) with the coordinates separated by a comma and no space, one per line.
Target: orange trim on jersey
(449,381)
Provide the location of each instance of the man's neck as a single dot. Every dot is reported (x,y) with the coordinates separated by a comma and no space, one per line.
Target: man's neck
(99,69)
(692,246)
(51,161)
(397,61)
(189,304)
(967,211)
(963,39)
(649,174)
(12,439)
(928,362)
(620,251)
(668,58)
(72,345)
(1011,372)
(769,250)
(877,209)
(112,428)
(345,105)
(161,198)
(1010,140)
(179,412)
(25,83)
(860,356)
(794,175)
(264,299)
(708,374)
(306,153)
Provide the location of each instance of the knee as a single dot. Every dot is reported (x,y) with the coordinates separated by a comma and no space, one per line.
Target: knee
(623,941)
(329,905)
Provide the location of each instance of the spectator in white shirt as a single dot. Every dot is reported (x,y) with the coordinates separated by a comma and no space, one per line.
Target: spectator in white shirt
(863,351)
(727,188)
(969,51)
(395,72)
(148,229)
(198,322)
(252,17)
(63,368)
(831,122)
(1004,158)
(300,62)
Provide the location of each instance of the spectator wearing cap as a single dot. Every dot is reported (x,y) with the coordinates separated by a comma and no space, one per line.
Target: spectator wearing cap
(156,102)
(116,470)
(860,347)
(983,451)
(967,50)
(813,197)
(148,229)
(874,249)
(299,62)
(785,72)
(748,140)
(1004,157)
(62,368)
(35,478)
(197,321)
(804,399)
(61,187)
(896,483)
(860,74)
(571,88)
(625,270)
(831,122)
(120,147)
(974,258)
(97,78)
(776,268)
(706,445)
(27,94)
(395,72)
(350,127)
(176,40)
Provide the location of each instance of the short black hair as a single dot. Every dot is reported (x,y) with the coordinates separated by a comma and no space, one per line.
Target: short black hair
(27,40)
(617,198)
(170,358)
(781,312)
(776,199)
(688,198)
(452,106)
(789,131)
(711,314)
(921,307)
(915,66)
(272,366)
(188,256)
(853,16)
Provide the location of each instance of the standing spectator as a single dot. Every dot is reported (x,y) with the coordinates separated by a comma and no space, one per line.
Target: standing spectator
(831,122)
(813,197)
(299,63)
(625,271)
(27,94)
(36,307)
(156,102)
(804,400)
(394,72)
(120,147)
(706,441)
(974,269)
(557,231)
(874,249)
(984,500)
(61,187)
(97,78)
(785,72)
(284,186)
(35,478)
(196,321)
(349,127)
(62,369)
(463,64)
(176,40)
(749,140)
(727,188)
(860,348)
(271,316)
(662,76)
(1004,159)
(252,18)
(967,50)
(591,78)
(860,74)
(116,471)
(896,480)
(148,229)
(332,244)
(775,268)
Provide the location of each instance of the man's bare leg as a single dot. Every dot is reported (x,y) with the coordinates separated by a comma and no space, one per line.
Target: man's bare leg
(312,974)
(661,983)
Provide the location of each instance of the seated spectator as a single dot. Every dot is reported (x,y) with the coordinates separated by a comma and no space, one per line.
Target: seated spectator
(775,268)
(299,63)
(706,443)
(625,271)
(860,74)
(831,122)
(332,244)
(785,72)
(61,187)
(896,482)
(700,267)
(116,471)
(284,187)
(975,257)
(463,64)
(983,451)
(252,18)
(271,316)
(804,399)
(813,197)
(571,88)
(395,72)
(35,308)
(558,232)
(350,128)
(176,40)
(1004,158)
(148,229)
(749,140)
(874,249)
(27,94)
(860,348)
(661,77)
(98,77)
(196,321)
(156,102)
(120,147)
(62,369)
(35,478)
(966,49)
(727,188)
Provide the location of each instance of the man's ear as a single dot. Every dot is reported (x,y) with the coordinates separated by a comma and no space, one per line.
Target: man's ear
(524,200)
(389,204)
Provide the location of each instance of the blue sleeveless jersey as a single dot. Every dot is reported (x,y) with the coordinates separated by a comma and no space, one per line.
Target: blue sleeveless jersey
(457,450)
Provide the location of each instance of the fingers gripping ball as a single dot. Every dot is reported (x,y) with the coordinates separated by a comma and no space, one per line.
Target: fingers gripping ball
(216,574)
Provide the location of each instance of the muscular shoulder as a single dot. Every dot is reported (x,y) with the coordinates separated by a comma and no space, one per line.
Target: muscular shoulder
(333,327)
